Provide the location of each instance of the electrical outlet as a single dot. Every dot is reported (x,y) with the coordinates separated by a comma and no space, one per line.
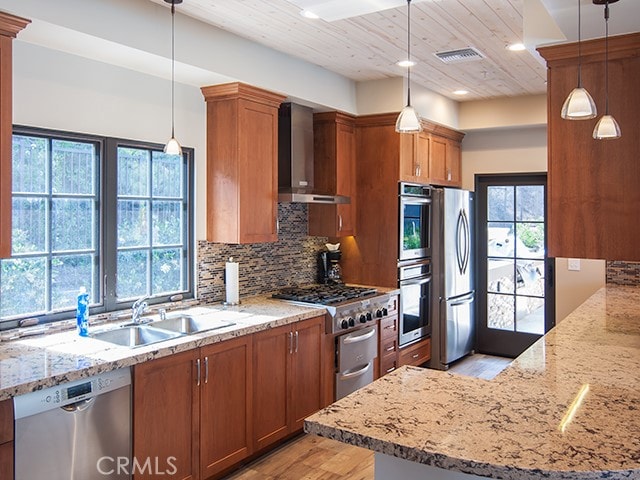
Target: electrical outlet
(573,264)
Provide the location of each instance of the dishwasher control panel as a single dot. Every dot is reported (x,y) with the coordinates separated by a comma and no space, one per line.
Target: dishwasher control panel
(70,392)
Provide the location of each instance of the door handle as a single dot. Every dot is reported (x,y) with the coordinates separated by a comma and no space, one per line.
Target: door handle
(198,372)
(339,222)
(357,373)
(463,301)
(290,343)
(296,348)
(359,338)
(206,369)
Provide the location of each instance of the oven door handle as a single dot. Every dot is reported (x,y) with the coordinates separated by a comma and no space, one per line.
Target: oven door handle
(359,338)
(417,281)
(357,373)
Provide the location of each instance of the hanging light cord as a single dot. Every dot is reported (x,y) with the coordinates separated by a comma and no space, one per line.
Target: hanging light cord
(606,58)
(173,67)
(579,47)
(409,52)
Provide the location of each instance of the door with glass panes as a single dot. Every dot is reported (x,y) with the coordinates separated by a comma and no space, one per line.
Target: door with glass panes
(515,276)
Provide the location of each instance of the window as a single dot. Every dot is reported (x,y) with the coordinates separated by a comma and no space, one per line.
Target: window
(109,215)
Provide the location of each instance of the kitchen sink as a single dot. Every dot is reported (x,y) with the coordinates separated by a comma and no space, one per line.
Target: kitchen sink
(135,335)
(186,324)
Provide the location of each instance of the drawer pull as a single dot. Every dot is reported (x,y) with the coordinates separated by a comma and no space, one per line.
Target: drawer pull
(359,338)
(357,373)
(390,349)
(389,370)
(415,355)
(390,327)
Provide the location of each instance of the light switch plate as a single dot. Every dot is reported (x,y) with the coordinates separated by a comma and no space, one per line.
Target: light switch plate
(573,264)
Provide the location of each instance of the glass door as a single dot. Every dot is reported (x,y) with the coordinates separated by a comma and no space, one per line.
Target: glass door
(515,277)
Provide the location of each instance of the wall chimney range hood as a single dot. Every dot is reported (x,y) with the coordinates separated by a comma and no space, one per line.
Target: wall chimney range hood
(295,158)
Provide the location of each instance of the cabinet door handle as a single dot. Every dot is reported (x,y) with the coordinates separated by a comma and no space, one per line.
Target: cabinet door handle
(391,369)
(415,355)
(290,343)
(391,348)
(198,372)
(417,170)
(277,225)
(339,222)
(390,327)
(206,369)
(296,349)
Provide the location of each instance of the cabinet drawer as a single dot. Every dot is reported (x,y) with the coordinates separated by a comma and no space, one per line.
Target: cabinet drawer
(416,354)
(388,346)
(388,364)
(6,420)
(392,305)
(389,327)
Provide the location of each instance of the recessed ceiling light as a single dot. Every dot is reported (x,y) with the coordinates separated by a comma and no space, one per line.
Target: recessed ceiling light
(516,47)
(406,63)
(309,14)
(461,92)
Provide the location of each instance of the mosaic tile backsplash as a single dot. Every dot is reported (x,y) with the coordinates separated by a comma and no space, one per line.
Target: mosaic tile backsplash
(623,273)
(264,267)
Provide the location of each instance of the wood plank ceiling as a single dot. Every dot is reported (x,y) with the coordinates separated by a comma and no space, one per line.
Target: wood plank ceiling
(367,47)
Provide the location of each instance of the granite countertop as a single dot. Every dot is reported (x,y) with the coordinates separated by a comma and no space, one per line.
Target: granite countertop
(36,362)
(512,427)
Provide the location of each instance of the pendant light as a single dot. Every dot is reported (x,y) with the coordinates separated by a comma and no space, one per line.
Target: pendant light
(173,147)
(607,128)
(579,105)
(408,120)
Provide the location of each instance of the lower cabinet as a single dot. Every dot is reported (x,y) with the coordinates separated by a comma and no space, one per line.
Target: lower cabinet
(202,411)
(287,372)
(6,439)
(415,354)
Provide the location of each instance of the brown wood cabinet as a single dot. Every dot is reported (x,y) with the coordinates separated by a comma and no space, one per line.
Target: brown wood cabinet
(242,163)
(334,143)
(195,406)
(6,439)
(593,195)
(388,338)
(166,415)
(10,25)
(287,386)
(415,354)
(385,157)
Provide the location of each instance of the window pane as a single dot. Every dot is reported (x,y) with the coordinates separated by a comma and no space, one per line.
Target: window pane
(530,278)
(501,311)
(30,165)
(133,172)
(167,175)
(133,223)
(28,232)
(72,224)
(500,239)
(68,274)
(530,241)
(167,271)
(167,223)
(73,167)
(132,274)
(530,203)
(530,315)
(500,276)
(500,200)
(23,283)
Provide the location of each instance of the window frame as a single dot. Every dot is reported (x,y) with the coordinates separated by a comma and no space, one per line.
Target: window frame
(106,168)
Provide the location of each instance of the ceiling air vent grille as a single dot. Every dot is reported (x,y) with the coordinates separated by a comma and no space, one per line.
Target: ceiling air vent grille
(462,55)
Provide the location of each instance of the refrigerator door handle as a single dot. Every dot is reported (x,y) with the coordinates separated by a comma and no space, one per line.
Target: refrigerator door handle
(459,247)
(467,240)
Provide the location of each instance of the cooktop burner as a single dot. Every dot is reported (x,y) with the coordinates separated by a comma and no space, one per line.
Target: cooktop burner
(324,294)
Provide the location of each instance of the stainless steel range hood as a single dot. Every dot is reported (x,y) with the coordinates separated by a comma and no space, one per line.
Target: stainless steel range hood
(295,158)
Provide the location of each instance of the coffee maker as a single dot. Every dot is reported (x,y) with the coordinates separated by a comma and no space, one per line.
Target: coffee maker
(329,269)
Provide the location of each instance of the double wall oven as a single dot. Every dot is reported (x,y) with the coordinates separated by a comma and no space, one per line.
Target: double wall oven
(414,261)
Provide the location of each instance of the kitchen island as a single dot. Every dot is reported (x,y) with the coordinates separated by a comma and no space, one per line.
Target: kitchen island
(567,408)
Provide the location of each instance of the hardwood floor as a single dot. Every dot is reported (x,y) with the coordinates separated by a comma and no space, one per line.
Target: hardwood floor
(309,457)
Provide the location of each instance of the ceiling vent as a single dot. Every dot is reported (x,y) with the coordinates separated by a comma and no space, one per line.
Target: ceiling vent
(468,54)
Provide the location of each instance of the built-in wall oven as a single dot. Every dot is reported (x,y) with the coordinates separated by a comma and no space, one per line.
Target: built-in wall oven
(415,221)
(415,301)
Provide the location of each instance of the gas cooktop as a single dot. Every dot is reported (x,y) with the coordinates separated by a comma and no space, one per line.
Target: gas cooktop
(331,294)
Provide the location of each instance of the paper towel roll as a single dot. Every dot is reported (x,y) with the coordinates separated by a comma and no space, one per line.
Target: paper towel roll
(232,285)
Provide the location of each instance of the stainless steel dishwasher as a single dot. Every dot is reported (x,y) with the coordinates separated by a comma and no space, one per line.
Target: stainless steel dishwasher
(80,430)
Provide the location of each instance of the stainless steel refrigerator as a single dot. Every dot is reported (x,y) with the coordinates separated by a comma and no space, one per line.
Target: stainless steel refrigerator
(453,305)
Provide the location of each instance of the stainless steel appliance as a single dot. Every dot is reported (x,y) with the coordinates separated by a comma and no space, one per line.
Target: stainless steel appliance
(351,319)
(453,332)
(415,221)
(81,429)
(415,301)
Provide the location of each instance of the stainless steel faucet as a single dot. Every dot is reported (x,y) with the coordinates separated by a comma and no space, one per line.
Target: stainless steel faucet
(138,308)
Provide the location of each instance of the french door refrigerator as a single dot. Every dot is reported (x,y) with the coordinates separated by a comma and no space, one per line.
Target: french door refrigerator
(453,305)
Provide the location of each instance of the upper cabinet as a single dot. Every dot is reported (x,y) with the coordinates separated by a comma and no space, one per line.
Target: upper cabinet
(242,163)
(334,147)
(593,195)
(10,25)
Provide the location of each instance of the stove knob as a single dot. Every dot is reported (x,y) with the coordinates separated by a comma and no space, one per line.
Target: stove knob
(363,318)
(352,322)
(369,317)
(385,312)
(379,313)
(344,324)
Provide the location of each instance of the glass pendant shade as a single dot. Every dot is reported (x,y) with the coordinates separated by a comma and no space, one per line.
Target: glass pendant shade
(408,121)
(579,105)
(173,147)
(607,128)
